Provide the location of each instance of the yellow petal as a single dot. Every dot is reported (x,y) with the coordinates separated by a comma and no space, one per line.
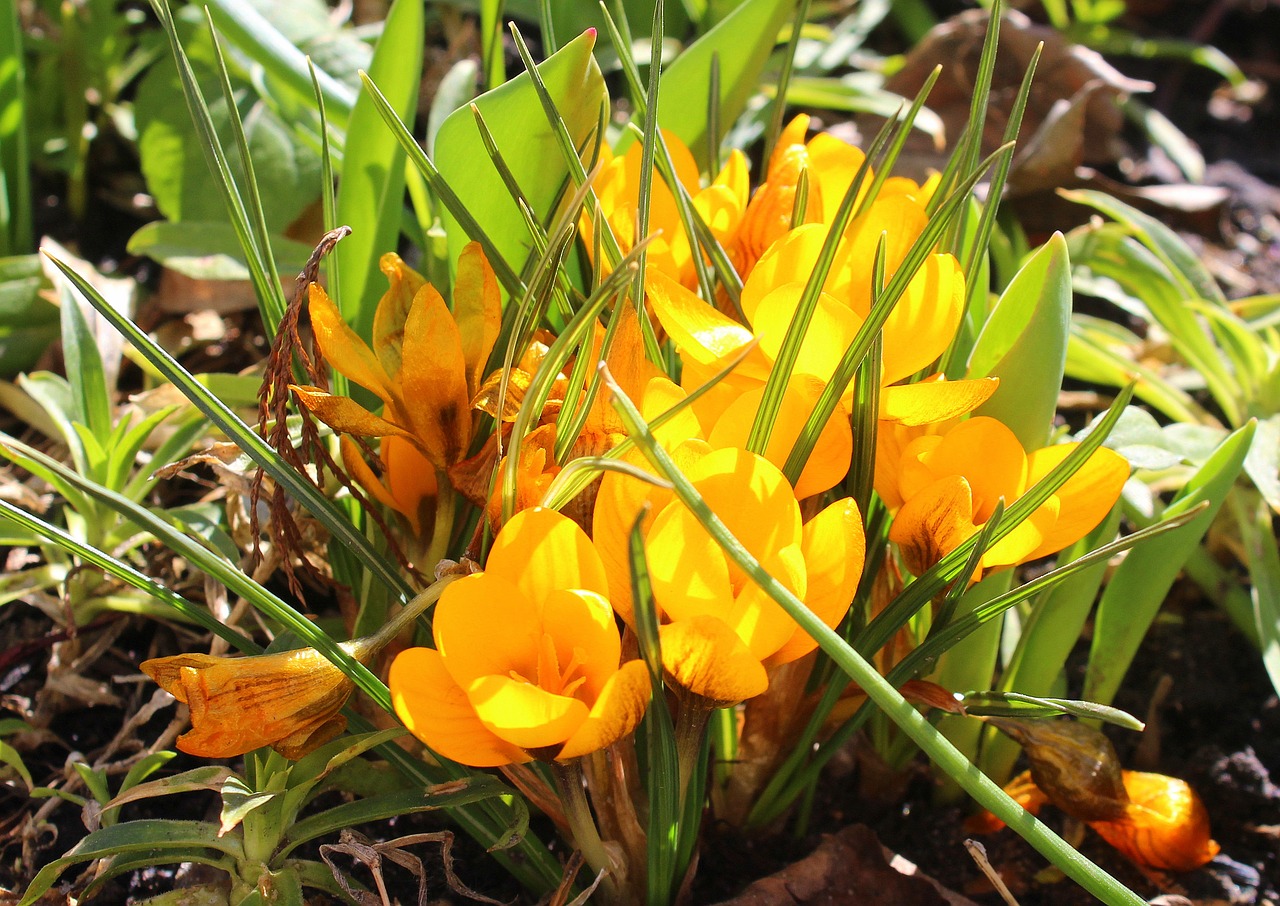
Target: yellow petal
(485,624)
(660,396)
(834,549)
(751,497)
(393,309)
(789,260)
(924,322)
(831,329)
(523,714)
(828,463)
(434,379)
(985,452)
(342,346)
(541,551)
(477,309)
(930,401)
(687,568)
(706,657)
(933,522)
(735,177)
(761,621)
(1087,496)
(832,165)
(436,710)
(345,415)
(702,333)
(616,712)
(792,135)
(1022,541)
(901,221)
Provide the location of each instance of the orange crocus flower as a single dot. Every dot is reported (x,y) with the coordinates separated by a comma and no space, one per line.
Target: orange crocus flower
(526,663)
(945,487)
(288,700)
(719,631)
(425,364)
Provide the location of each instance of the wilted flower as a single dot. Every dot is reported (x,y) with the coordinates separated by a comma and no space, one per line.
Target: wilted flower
(719,631)
(426,365)
(288,700)
(720,205)
(527,654)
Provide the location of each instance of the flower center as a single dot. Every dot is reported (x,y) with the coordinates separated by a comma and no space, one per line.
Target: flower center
(552,677)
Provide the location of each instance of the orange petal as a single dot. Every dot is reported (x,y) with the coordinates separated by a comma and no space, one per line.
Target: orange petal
(434,379)
(393,310)
(541,551)
(985,452)
(706,657)
(523,714)
(1166,826)
(485,624)
(345,415)
(1087,496)
(342,346)
(789,260)
(757,618)
(410,477)
(477,309)
(751,497)
(834,548)
(358,469)
(581,625)
(933,522)
(687,568)
(901,220)
(436,710)
(617,711)
(831,329)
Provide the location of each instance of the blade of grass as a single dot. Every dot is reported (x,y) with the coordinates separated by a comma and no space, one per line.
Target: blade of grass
(16,236)
(779,104)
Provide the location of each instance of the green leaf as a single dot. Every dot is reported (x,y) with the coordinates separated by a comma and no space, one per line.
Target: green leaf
(1015,704)
(238,800)
(86,373)
(15,165)
(209,250)
(371,187)
(526,141)
(158,837)
(1140,583)
(28,322)
(1024,344)
(13,758)
(1262,554)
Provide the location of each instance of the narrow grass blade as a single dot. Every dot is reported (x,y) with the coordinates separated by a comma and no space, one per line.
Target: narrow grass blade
(16,236)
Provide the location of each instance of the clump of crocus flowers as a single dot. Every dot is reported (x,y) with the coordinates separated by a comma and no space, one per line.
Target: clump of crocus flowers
(535,657)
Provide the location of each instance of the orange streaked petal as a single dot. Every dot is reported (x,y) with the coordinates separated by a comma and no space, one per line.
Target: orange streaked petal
(347,353)
(540,551)
(933,522)
(434,379)
(523,714)
(435,709)
(987,454)
(485,624)
(706,657)
(1166,826)
(791,135)
(477,309)
(616,712)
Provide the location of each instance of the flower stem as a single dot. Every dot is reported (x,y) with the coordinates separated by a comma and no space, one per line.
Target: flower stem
(586,836)
(692,714)
(411,611)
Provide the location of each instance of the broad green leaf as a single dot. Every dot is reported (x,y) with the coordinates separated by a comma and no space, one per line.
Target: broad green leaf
(371,188)
(1140,583)
(1263,462)
(209,250)
(1024,344)
(13,758)
(238,800)
(86,373)
(28,322)
(528,144)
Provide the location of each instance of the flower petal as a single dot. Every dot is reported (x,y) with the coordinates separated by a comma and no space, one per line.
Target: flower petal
(981,449)
(436,710)
(834,549)
(345,415)
(752,497)
(581,624)
(523,714)
(831,329)
(477,309)
(393,310)
(687,568)
(486,624)
(933,522)
(706,657)
(617,711)
(540,551)
(930,401)
(702,333)
(924,322)
(757,618)
(789,260)
(342,346)
(1087,496)
(433,379)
